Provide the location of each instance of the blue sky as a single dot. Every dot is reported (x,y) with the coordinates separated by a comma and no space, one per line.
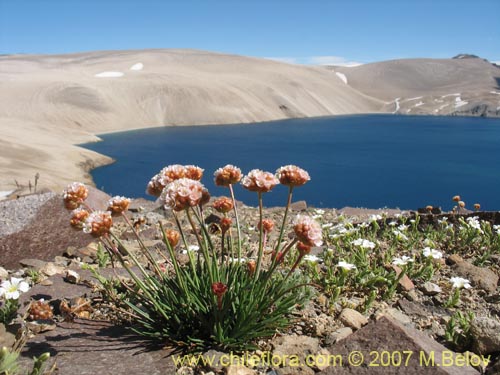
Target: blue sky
(302,31)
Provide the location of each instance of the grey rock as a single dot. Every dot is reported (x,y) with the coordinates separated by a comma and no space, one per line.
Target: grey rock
(480,277)
(352,318)
(300,346)
(6,338)
(396,315)
(430,289)
(412,308)
(35,264)
(239,370)
(51,269)
(184,370)
(338,335)
(485,335)
(3,273)
(299,206)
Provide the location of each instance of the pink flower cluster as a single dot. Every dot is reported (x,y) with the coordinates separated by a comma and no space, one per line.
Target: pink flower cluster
(74,195)
(228,175)
(183,193)
(308,231)
(291,175)
(98,223)
(259,181)
(170,174)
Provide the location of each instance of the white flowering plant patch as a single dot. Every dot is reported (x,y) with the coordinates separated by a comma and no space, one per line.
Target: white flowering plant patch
(10,290)
(226,294)
(370,258)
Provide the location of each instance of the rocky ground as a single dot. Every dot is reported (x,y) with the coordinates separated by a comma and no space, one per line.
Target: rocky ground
(405,334)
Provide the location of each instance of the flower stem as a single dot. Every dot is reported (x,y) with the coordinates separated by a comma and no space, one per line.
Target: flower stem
(282,230)
(237,220)
(261,248)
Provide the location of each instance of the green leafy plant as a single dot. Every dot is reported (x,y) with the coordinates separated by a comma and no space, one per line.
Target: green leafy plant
(102,256)
(34,275)
(227,295)
(457,332)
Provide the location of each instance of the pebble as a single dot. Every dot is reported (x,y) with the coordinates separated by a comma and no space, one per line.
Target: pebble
(430,289)
(352,318)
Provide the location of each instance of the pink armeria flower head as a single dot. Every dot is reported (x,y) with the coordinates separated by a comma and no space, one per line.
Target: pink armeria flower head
(171,173)
(308,231)
(291,175)
(155,187)
(228,175)
(78,217)
(74,195)
(98,223)
(182,194)
(118,204)
(193,172)
(223,204)
(259,181)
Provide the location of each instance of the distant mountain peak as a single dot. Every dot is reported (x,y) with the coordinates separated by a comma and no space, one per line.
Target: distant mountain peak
(465,56)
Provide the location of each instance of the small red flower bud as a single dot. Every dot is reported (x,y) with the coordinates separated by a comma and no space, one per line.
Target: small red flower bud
(303,248)
(267,225)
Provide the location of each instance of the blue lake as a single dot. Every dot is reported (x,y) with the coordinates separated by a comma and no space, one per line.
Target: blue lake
(364,160)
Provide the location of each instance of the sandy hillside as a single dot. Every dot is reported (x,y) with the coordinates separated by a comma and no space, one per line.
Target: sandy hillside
(48,103)
(463,86)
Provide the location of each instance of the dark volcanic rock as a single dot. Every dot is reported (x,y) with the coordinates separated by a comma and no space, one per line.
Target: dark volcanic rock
(49,233)
(387,335)
(88,347)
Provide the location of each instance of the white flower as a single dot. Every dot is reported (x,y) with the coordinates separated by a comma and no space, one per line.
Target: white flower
(237,260)
(400,236)
(316,217)
(190,248)
(403,227)
(497,229)
(327,225)
(375,217)
(12,288)
(459,282)
(443,220)
(473,222)
(363,225)
(393,223)
(433,253)
(319,211)
(311,258)
(403,261)
(346,266)
(363,243)
(412,221)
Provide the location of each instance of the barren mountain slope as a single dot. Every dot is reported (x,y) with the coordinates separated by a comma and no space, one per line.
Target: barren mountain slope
(49,103)
(430,86)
